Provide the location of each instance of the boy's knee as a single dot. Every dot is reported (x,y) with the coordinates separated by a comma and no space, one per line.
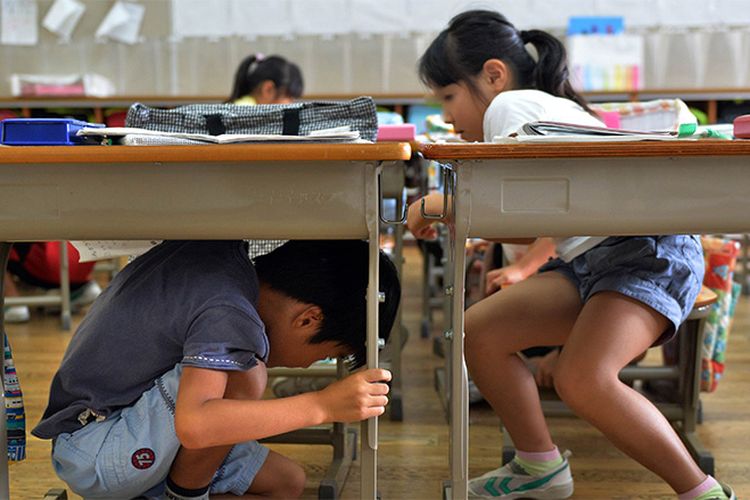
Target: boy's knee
(291,483)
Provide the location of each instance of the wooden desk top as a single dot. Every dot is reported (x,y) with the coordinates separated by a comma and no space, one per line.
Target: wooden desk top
(479,151)
(213,153)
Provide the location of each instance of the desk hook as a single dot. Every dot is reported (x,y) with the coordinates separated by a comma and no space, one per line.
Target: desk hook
(448,189)
(404,208)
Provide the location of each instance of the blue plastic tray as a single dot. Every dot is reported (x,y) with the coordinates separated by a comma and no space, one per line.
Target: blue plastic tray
(43,131)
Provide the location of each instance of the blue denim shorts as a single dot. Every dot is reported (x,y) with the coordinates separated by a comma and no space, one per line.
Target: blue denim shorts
(130,453)
(663,272)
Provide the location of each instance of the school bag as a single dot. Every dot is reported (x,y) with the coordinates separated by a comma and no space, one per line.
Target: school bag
(299,118)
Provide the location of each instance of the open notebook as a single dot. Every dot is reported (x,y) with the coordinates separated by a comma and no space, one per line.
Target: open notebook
(545,131)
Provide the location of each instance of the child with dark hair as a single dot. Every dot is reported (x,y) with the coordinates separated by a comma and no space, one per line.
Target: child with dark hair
(159,390)
(266,80)
(604,299)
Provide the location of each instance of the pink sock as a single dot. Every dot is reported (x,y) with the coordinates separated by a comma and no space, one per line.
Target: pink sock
(706,485)
(539,456)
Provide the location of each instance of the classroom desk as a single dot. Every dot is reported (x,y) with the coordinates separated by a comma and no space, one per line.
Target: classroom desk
(522,190)
(258,191)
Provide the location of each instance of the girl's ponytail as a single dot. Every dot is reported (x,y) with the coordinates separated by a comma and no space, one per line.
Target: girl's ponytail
(256,68)
(473,37)
(551,72)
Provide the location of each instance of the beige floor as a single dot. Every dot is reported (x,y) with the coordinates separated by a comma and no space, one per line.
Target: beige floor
(413,453)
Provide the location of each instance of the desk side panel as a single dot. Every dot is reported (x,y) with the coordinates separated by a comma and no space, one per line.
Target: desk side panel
(189,200)
(607,196)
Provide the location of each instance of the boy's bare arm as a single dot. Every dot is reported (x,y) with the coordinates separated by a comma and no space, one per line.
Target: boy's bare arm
(204,418)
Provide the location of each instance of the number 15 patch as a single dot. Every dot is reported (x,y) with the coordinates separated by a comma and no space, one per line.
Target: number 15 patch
(143,458)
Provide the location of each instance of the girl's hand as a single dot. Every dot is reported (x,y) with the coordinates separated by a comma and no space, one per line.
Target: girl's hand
(498,278)
(359,396)
(545,368)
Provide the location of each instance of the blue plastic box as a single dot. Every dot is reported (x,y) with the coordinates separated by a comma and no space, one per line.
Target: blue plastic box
(43,131)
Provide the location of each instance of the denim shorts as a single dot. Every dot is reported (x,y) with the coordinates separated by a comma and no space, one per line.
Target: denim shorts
(130,453)
(663,272)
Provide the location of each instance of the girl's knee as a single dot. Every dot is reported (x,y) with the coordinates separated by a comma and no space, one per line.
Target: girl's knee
(578,387)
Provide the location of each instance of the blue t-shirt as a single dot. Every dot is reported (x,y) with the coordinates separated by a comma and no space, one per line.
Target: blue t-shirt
(189,302)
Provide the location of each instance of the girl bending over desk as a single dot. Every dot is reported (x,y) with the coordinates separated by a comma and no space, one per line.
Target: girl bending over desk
(606,300)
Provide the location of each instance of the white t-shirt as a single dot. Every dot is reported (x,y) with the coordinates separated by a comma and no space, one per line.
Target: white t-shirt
(510,110)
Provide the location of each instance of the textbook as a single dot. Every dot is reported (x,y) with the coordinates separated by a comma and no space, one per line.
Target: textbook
(545,131)
(338,134)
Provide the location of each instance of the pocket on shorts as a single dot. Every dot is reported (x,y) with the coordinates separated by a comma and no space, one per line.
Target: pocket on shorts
(141,447)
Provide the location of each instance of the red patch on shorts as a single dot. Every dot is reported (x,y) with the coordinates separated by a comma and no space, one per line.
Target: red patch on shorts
(143,458)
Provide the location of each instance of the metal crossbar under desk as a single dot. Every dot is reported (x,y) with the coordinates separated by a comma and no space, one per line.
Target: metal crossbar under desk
(259,191)
(564,189)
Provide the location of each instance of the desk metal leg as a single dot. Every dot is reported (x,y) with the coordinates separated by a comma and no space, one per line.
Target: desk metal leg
(369,444)
(65,314)
(459,389)
(398,333)
(4,477)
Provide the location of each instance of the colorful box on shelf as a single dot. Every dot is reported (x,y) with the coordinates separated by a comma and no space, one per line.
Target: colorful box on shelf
(402,132)
(742,127)
(43,132)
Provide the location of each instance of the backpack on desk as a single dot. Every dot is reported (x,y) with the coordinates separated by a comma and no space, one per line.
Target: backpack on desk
(300,118)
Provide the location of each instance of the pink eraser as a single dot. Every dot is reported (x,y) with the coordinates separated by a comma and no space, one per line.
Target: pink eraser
(611,119)
(742,127)
(403,132)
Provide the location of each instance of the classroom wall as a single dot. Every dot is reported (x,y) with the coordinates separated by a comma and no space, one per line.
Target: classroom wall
(695,54)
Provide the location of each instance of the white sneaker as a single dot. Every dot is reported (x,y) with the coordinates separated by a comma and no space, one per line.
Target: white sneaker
(512,481)
(17,314)
(85,295)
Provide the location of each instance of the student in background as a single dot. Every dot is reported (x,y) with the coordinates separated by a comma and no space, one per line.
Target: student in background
(38,265)
(159,391)
(605,300)
(266,80)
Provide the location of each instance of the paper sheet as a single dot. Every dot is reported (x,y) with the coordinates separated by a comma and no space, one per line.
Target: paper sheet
(246,21)
(383,16)
(320,17)
(104,249)
(18,22)
(556,139)
(122,22)
(199,18)
(339,134)
(63,17)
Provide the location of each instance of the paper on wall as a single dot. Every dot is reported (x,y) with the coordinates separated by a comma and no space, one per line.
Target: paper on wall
(122,23)
(320,17)
(381,17)
(199,18)
(251,18)
(63,17)
(18,22)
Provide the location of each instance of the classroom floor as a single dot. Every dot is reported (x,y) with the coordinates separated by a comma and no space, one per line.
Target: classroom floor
(413,454)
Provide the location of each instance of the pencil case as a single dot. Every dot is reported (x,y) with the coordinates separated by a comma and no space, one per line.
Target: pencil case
(742,127)
(43,132)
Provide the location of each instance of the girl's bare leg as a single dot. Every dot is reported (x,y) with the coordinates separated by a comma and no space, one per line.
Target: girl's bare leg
(610,331)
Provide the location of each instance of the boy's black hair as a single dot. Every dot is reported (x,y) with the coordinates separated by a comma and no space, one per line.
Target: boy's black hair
(255,69)
(333,274)
(459,52)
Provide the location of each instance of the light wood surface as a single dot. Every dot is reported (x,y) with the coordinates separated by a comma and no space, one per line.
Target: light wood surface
(479,151)
(413,454)
(387,151)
